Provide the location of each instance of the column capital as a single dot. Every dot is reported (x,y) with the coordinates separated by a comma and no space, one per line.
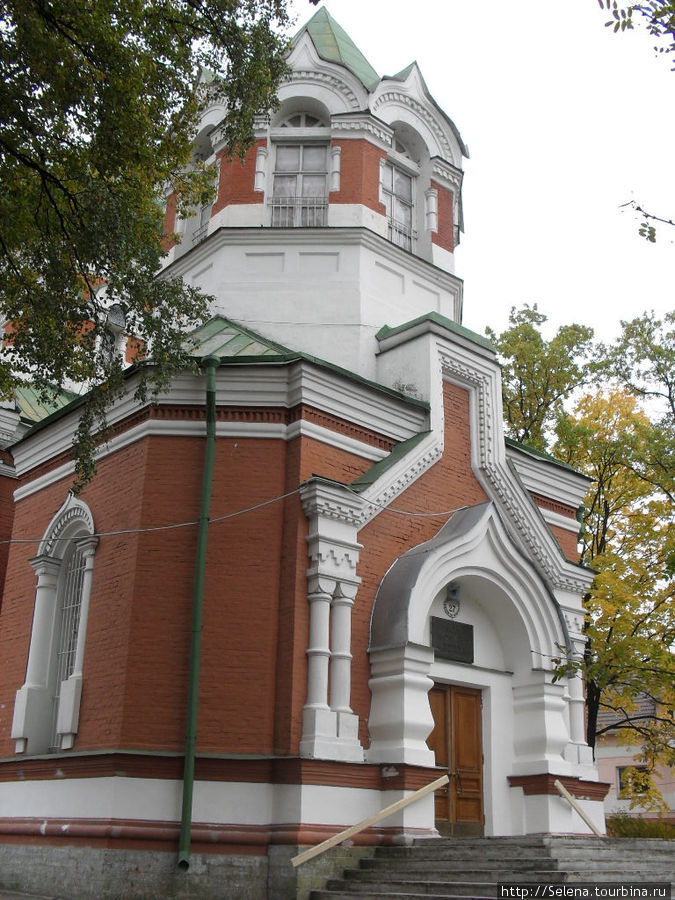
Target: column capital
(45,565)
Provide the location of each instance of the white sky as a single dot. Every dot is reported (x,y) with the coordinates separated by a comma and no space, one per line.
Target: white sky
(564,122)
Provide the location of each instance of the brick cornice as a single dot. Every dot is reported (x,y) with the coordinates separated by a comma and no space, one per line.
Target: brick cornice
(544,783)
(265,770)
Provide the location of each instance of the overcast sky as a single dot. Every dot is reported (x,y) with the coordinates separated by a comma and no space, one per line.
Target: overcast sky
(564,122)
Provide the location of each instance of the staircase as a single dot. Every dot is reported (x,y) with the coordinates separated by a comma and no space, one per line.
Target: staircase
(473,867)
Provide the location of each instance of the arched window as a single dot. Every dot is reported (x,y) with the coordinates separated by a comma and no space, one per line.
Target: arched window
(47,706)
(300,180)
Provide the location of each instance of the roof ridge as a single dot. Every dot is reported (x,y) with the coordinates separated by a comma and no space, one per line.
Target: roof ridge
(333,44)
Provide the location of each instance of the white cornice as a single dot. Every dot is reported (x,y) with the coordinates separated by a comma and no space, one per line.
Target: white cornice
(326,237)
(560,521)
(447,173)
(327,80)
(483,381)
(397,97)
(284,386)
(362,126)
(7,470)
(472,367)
(548,479)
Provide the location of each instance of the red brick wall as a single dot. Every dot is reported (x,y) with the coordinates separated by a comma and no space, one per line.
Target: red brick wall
(237,179)
(567,541)
(445,236)
(114,500)
(448,484)
(359,174)
(7,486)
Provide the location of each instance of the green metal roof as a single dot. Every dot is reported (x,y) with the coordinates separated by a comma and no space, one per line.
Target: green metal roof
(542,454)
(334,45)
(386,331)
(34,407)
(221,337)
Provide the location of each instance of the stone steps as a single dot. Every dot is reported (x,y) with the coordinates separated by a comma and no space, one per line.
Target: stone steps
(472,867)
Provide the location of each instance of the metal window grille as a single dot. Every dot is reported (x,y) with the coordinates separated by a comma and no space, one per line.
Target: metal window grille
(400,234)
(299,212)
(200,233)
(67,627)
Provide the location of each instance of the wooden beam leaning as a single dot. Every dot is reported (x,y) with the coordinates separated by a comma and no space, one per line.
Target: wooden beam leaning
(366,823)
(562,790)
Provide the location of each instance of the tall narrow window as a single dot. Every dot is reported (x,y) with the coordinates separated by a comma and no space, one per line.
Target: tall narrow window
(300,192)
(397,193)
(47,705)
(68,609)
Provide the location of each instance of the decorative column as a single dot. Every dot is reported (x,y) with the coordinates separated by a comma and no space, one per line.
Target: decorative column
(32,707)
(335,152)
(431,209)
(577,751)
(260,169)
(329,727)
(71,688)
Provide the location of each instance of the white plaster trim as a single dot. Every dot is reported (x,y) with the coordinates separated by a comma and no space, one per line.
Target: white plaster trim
(154,427)
(396,97)
(7,471)
(204,252)
(335,439)
(215,802)
(363,126)
(447,174)
(475,368)
(560,521)
(548,479)
(483,380)
(307,67)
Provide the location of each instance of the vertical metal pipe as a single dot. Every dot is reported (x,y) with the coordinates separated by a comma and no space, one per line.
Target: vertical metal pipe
(210,364)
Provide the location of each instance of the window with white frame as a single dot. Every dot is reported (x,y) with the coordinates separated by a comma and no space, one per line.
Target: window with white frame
(47,705)
(397,196)
(300,176)
(299,190)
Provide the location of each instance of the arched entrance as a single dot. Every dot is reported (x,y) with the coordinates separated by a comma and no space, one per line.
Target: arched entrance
(474,692)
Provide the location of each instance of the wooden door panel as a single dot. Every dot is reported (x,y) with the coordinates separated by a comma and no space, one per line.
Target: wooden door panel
(439,742)
(456,742)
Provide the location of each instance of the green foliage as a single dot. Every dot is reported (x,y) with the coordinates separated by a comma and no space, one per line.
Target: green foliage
(628,539)
(537,375)
(98,109)
(624,825)
(623,438)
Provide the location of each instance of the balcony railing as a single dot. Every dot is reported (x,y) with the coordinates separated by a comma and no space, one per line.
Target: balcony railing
(200,233)
(400,234)
(299,212)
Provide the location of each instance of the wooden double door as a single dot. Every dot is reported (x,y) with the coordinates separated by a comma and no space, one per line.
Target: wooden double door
(457,742)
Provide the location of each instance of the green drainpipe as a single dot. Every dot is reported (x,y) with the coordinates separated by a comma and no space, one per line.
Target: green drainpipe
(210,364)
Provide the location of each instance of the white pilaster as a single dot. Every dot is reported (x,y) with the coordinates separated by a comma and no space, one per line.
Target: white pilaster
(330,729)
(400,716)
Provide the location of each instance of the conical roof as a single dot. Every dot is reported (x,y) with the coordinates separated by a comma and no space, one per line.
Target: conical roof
(333,44)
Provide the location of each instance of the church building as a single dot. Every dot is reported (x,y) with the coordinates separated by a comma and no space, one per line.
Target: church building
(388,583)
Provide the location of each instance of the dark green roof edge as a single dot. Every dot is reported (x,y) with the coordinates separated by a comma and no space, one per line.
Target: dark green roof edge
(543,455)
(333,44)
(438,319)
(397,453)
(283,357)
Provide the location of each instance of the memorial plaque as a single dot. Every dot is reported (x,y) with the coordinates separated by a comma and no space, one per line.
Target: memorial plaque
(452,640)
